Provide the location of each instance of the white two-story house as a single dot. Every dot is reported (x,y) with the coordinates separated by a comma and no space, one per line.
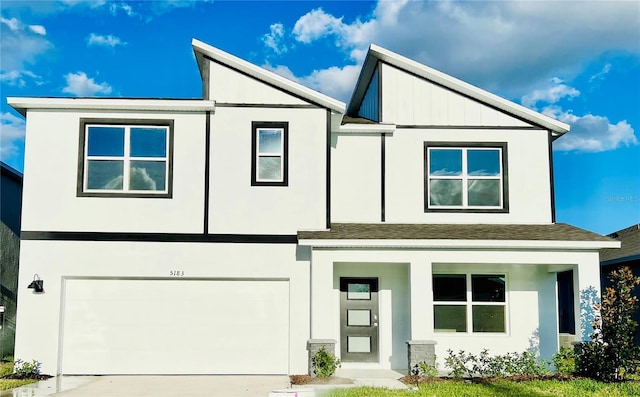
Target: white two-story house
(232,233)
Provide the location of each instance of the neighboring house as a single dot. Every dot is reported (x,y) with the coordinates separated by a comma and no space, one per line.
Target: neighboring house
(10,210)
(229,234)
(628,255)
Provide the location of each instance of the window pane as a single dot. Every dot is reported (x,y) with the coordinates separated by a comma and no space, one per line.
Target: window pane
(445,192)
(269,168)
(483,162)
(358,291)
(449,287)
(484,192)
(148,142)
(105,141)
(445,162)
(104,174)
(359,318)
(359,344)
(147,175)
(488,288)
(269,141)
(488,319)
(450,318)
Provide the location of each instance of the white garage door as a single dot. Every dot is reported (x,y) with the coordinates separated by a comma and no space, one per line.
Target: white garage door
(175,326)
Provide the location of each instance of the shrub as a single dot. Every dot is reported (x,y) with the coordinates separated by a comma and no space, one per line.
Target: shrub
(324,363)
(565,361)
(484,365)
(426,370)
(25,369)
(612,354)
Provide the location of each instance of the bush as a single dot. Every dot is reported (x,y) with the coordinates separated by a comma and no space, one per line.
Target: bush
(25,369)
(565,361)
(425,370)
(324,363)
(612,354)
(484,365)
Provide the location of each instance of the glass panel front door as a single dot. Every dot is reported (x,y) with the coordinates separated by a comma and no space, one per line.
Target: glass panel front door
(359,319)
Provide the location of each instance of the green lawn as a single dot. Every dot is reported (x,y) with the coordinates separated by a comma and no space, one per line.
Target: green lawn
(6,368)
(541,388)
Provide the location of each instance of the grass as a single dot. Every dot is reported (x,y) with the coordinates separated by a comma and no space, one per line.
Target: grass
(535,388)
(6,368)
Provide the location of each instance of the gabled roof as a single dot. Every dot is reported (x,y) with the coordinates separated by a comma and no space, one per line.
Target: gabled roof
(10,172)
(377,54)
(204,51)
(629,250)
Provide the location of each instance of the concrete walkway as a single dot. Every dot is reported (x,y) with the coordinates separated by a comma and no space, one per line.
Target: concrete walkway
(192,386)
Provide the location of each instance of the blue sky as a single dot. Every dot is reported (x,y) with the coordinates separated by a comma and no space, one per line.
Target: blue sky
(576,61)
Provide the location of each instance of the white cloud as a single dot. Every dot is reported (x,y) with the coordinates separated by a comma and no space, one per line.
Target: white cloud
(601,74)
(18,78)
(12,131)
(273,39)
(12,23)
(551,94)
(115,8)
(102,40)
(79,84)
(38,29)
(591,133)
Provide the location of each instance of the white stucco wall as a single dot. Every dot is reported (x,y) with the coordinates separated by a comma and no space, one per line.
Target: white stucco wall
(50,201)
(39,316)
(235,205)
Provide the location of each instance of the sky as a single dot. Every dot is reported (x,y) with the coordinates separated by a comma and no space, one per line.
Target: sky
(577,61)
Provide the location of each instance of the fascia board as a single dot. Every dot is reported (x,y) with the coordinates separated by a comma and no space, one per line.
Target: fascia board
(267,76)
(465,88)
(22,104)
(461,244)
(367,128)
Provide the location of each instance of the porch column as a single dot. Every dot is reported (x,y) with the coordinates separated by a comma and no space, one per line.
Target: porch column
(322,315)
(586,282)
(420,282)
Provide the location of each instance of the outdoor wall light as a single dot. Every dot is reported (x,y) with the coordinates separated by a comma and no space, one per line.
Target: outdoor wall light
(37,284)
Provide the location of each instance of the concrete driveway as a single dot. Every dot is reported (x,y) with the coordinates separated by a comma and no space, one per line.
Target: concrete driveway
(152,386)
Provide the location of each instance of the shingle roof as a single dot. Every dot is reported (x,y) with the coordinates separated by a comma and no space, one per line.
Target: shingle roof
(630,239)
(357,231)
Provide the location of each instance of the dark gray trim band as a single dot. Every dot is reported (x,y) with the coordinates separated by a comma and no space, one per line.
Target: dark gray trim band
(620,260)
(207,167)
(551,178)
(264,105)
(382,148)
(161,237)
(466,127)
(328,172)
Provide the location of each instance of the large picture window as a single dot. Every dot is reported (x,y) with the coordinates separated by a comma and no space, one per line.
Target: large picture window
(269,147)
(465,177)
(132,159)
(469,303)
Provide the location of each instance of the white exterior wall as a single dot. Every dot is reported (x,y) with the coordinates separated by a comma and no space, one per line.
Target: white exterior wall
(236,206)
(355,178)
(410,100)
(50,201)
(532,319)
(39,317)
(528,167)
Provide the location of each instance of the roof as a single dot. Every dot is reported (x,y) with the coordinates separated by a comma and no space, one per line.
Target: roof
(10,171)
(377,53)
(447,232)
(22,104)
(203,50)
(630,248)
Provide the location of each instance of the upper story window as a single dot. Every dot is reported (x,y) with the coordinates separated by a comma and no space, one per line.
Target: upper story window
(461,300)
(466,177)
(269,147)
(125,158)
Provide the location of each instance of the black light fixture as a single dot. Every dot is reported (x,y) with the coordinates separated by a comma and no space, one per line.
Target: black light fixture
(37,284)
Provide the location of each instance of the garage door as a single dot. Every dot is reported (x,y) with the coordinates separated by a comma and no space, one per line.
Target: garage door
(181,326)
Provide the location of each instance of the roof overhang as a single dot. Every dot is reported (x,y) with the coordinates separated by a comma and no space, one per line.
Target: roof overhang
(204,51)
(377,53)
(23,104)
(366,129)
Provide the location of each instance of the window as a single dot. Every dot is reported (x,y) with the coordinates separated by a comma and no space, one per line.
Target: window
(462,299)
(132,159)
(465,177)
(269,146)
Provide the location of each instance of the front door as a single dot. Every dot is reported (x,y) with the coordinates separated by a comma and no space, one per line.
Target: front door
(359,319)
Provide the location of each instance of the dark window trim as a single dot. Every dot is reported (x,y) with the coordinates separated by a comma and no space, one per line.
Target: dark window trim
(285,155)
(152,122)
(505,177)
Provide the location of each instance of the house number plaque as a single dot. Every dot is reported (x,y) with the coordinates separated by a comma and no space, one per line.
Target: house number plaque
(176,273)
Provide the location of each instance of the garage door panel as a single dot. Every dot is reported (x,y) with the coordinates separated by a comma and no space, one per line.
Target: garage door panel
(175,326)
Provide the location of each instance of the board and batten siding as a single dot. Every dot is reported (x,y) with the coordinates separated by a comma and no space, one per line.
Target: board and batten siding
(411,100)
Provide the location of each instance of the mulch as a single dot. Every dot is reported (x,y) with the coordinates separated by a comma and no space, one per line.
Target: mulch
(309,380)
(32,376)
(415,379)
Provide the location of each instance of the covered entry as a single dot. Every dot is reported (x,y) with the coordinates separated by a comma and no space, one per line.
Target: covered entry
(175,326)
